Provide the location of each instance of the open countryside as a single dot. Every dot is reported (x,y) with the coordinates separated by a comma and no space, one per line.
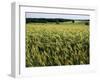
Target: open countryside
(56,42)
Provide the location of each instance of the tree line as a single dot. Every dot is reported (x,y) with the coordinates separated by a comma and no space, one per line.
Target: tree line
(53,20)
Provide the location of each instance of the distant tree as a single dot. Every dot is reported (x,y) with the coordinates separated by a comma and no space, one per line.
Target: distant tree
(57,21)
(73,21)
(86,23)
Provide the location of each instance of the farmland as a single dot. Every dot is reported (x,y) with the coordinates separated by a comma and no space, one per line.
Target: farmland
(51,44)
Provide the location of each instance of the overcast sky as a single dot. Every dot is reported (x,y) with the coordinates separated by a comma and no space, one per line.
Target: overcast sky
(67,16)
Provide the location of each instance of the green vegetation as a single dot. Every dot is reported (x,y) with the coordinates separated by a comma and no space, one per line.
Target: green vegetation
(51,44)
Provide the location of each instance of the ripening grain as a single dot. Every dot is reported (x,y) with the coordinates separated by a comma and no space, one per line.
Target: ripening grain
(52,44)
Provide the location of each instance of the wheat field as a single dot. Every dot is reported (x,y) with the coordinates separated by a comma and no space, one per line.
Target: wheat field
(51,44)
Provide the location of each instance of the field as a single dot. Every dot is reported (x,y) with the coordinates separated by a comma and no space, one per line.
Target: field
(51,44)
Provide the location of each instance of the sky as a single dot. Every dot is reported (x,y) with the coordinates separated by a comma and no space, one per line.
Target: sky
(65,16)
